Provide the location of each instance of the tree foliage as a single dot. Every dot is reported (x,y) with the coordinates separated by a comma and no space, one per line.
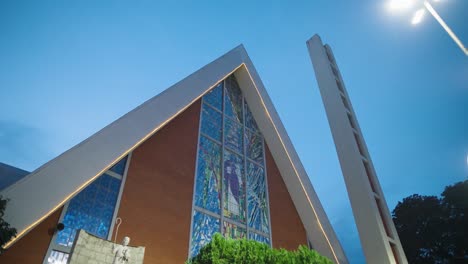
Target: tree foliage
(242,251)
(433,229)
(6,231)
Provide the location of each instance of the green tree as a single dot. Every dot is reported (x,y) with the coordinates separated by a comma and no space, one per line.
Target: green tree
(242,251)
(6,231)
(433,229)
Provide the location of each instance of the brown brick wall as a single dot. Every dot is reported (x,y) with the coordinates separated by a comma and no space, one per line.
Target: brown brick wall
(31,248)
(286,227)
(157,199)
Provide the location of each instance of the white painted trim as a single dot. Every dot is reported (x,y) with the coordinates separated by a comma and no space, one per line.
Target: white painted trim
(119,197)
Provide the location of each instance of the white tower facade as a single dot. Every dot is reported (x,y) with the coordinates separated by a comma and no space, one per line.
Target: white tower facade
(377,232)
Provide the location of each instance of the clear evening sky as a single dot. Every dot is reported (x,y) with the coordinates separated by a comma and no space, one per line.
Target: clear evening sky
(68,68)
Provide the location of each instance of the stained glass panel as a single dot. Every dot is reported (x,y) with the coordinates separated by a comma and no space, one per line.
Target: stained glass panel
(254,146)
(203,229)
(233,99)
(215,97)
(249,119)
(222,181)
(119,168)
(208,186)
(211,122)
(234,231)
(233,135)
(256,196)
(259,238)
(92,210)
(234,187)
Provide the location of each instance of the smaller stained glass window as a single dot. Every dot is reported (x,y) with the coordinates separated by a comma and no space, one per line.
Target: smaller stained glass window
(254,146)
(203,229)
(234,187)
(208,185)
(215,97)
(233,135)
(119,168)
(233,100)
(234,231)
(259,238)
(249,119)
(211,122)
(92,210)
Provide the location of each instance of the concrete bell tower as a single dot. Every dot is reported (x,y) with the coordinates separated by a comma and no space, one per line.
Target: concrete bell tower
(379,238)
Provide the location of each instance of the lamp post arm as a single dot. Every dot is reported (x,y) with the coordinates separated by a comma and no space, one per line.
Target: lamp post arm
(445,26)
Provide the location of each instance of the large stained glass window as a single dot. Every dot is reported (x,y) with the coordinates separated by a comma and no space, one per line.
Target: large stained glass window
(92,209)
(231,195)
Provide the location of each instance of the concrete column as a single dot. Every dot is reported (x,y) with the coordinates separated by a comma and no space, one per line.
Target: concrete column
(377,232)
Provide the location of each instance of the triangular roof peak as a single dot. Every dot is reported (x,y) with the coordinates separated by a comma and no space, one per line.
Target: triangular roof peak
(49,187)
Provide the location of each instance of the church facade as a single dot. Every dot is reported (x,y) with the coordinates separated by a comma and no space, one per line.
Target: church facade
(207,155)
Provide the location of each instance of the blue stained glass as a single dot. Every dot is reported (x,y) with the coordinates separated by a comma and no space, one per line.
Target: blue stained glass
(259,238)
(256,196)
(254,146)
(90,211)
(233,135)
(208,186)
(249,119)
(233,99)
(203,229)
(234,187)
(120,166)
(233,231)
(211,122)
(215,97)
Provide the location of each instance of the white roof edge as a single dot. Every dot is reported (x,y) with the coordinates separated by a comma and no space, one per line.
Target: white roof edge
(40,193)
(297,181)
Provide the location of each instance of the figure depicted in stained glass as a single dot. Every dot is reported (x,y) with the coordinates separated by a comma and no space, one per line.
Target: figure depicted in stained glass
(232,188)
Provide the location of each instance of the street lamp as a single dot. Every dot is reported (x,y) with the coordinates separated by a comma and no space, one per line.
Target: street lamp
(405,5)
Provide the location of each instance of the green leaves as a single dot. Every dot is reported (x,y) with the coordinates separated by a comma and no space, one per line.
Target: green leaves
(6,232)
(242,251)
(433,229)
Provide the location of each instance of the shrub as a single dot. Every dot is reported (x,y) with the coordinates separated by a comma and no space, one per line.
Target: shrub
(242,251)
(6,232)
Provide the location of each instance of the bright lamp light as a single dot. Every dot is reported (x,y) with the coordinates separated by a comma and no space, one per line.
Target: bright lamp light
(400,5)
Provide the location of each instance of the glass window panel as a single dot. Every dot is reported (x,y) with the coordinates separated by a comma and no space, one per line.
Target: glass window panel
(233,99)
(233,135)
(211,122)
(120,166)
(249,119)
(234,187)
(215,97)
(234,231)
(208,185)
(57,257)
(89,211)
(254,146)
(203,229)
(256,196)
(259,238)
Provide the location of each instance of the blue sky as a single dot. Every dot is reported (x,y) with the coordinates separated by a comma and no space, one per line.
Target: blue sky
(68,68)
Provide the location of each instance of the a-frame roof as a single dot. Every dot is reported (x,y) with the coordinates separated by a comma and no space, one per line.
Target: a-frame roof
(46,189)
